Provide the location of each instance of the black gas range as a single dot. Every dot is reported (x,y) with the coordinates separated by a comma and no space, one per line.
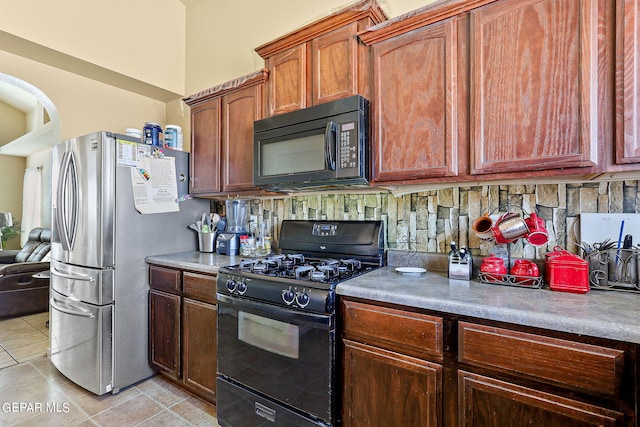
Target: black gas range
(276,323)
(329,252)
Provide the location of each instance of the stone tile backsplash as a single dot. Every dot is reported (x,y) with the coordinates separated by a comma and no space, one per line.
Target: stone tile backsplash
(428,221)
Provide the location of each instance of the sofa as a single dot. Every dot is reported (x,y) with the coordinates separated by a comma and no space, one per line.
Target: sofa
(24,276)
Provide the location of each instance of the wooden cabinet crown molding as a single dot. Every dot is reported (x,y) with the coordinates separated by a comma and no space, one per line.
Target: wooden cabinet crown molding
(429,14)
(353,13)
(247,80)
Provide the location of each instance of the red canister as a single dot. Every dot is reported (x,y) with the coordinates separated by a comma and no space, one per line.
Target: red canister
(566,272)
(493,268)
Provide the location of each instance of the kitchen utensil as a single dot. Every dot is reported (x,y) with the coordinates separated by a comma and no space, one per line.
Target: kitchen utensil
(194,227)
(615,266)
(538,234)
(454,248)
(482,227)
(509,227)
(222,225)
(493,268)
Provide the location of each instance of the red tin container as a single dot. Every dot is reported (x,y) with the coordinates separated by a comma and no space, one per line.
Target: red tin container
(566,272)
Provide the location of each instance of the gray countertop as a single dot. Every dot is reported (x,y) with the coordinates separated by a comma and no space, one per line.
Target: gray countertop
(194,260)
(604,314)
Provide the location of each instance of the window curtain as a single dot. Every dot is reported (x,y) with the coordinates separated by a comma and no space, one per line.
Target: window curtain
(31,202)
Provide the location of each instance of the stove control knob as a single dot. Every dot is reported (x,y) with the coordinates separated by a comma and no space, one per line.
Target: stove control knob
(288,296)
(302,299)
(231,285)
(242,287)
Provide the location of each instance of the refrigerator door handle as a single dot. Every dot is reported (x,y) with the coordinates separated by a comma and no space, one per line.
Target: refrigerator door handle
(67,194)
(72,276)
(62,212)
(77,312)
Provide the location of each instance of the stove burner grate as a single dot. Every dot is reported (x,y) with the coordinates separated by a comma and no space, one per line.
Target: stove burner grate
(296,266)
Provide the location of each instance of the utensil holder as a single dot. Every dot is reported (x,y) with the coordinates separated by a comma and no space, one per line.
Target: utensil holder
(614,269)
(206,242)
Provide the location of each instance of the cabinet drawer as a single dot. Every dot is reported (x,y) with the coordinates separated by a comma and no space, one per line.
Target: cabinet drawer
(414,334)
(573,365)
(165,279)
(200,287)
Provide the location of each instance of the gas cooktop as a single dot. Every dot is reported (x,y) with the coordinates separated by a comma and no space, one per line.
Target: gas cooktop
(298,267)
(317,255)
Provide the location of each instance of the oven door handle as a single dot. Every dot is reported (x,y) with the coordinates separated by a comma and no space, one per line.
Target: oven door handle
(275,311)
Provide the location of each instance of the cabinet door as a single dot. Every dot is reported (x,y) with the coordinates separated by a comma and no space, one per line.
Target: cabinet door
(165,279)
(534,80)
(164,332)
(240,109)
(488,402)
(287,80)
(200,348)
(414,106)
(335,64)
(383,388)
(205,148)
(628,85)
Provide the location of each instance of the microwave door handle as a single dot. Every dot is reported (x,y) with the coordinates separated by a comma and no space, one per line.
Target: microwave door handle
(330,144)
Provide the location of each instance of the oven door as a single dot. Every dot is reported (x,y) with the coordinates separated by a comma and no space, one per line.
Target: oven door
(282,354)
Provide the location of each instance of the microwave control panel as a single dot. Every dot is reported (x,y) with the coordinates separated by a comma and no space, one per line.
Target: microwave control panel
(348,146)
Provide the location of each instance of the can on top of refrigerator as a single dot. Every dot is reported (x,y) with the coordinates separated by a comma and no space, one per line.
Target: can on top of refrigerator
(173,137)
(152,134)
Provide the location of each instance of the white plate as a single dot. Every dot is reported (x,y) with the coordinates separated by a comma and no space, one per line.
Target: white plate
(411,270)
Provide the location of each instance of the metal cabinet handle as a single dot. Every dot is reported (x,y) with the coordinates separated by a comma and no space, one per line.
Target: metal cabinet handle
(82,277)
(81,312)
(265,412)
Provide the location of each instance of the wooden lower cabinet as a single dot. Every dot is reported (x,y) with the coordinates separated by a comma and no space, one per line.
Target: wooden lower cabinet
(487,402)
(487,373)
(383,388)
(392,374)
(182,329)
(199,346)
(164,334)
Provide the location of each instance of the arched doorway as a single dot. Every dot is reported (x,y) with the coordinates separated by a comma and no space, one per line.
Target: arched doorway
(32,126)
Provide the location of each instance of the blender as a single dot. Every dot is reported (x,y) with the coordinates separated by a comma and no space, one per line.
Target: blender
(228,242)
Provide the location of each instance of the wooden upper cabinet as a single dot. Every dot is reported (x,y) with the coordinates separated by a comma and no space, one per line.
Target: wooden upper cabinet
(534,85)
(205,148)
(414,107)
(628,81)
(335,64)
(320,62)
(222,135)
(287,87)
(239,110)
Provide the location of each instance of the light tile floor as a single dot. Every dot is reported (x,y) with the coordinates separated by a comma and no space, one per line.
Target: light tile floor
(34,393)
(23,339)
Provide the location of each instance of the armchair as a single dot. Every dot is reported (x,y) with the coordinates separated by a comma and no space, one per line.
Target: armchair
(24,276)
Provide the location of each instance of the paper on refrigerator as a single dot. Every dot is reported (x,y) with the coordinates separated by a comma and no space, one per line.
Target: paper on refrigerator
(155,187)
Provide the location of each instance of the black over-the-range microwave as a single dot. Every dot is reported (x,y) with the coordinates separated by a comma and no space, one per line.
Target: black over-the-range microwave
(326,145)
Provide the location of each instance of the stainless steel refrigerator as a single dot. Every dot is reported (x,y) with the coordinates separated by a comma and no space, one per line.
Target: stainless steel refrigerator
(98,324)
